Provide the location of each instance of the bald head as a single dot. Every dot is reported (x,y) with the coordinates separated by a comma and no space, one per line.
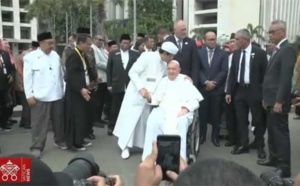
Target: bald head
(173,69)
(180,29)
(211,40)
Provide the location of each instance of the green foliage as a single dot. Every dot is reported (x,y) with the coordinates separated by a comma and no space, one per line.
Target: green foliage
(151,14)
(256,32)
(199,33)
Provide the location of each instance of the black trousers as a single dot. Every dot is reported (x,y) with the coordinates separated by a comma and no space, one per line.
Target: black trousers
(107,105)
(92,114)
(279,140)
(4,110)
(210,111)
(25,118)
(231,123)
(244,102)
(101,96)
(117,99)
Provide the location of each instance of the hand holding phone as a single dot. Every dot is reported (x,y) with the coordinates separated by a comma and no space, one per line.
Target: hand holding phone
(168,157)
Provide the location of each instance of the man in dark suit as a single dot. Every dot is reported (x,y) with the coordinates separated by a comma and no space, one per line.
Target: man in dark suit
(245,83)
(277,99)
(6,70)
(212,77)
(118,66)
(187,55)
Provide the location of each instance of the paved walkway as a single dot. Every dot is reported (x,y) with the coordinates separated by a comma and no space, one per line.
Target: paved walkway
(107,154)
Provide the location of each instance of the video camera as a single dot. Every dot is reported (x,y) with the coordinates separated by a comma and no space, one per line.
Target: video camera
(83,166)
(274,178)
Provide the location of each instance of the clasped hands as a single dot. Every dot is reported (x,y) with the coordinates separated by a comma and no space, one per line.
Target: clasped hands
(210,85)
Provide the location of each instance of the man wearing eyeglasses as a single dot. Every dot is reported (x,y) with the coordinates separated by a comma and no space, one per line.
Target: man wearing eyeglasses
(277,99)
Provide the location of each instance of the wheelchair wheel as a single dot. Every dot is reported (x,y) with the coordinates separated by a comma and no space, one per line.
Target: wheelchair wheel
(193,140)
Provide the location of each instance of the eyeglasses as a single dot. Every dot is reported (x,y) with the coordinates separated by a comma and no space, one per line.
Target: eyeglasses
(273,31)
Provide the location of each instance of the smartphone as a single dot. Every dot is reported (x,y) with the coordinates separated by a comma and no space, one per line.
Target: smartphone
(168,153)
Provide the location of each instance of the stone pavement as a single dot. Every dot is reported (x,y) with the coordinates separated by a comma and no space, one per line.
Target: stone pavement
(107,153)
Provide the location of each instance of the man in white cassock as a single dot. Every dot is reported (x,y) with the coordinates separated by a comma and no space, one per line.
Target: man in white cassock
(177,99)
(145,75)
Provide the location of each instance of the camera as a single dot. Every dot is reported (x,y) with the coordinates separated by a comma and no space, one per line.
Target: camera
(274,178)
(83,166)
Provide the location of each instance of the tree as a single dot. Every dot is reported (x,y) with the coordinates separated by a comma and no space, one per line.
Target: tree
(151,14)
(47,12)
(256,32)
(199,33)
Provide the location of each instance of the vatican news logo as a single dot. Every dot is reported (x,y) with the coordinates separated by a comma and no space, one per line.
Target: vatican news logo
(14,170)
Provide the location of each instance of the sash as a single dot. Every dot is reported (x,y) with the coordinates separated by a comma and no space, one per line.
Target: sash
(87,78)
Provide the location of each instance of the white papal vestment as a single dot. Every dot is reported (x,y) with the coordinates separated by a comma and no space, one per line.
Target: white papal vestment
(171,96)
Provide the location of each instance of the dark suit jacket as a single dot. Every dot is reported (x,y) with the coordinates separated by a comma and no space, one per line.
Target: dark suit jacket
(277,83)
(187,57)
(117,76)
(258,65)
(4,78)
(75,74)
(217,71)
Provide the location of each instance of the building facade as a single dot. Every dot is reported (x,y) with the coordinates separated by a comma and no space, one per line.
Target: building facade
(227,16)
(14,25)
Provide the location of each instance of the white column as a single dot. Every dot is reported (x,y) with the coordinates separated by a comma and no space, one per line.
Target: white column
(16,19)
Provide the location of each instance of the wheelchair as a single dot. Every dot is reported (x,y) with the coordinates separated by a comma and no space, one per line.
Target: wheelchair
(193,139)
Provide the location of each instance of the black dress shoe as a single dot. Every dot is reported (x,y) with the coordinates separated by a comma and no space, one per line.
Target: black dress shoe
(261,154)
(12,121)
(91,136)
(267,162)
(202,140)
(240,150)
(110,132)
(229,144)
(215,142)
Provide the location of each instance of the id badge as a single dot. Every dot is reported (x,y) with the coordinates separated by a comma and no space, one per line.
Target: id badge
(4,71)
(151,79)
(87,79)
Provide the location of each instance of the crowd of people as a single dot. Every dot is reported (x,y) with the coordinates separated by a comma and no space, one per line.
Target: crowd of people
(99,82)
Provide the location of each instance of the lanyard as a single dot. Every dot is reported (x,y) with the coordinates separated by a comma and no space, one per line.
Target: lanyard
(82,59)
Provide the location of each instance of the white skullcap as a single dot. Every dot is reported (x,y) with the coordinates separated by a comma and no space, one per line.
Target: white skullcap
(176,62)
(169,47)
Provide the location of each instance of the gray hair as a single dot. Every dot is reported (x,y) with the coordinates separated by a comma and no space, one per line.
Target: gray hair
(244,33)
(280,23)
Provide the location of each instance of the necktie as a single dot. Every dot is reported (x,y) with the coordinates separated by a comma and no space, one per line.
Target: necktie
(179,44)
(210,56)
(242,70)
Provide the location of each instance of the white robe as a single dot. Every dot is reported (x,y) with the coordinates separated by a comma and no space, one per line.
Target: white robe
(171,96)
(130,127)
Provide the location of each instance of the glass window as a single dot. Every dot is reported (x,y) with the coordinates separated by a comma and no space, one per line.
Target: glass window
(23,18)
(24,3)
(6,3)
(7,16)
(25,32)
(8,32)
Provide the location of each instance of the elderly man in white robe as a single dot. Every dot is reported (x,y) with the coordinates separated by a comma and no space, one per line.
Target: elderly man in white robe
(177,99)
(145,75)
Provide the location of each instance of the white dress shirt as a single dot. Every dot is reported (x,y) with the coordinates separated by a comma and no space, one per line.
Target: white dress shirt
(247,64)
(43,76)
(125,58)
